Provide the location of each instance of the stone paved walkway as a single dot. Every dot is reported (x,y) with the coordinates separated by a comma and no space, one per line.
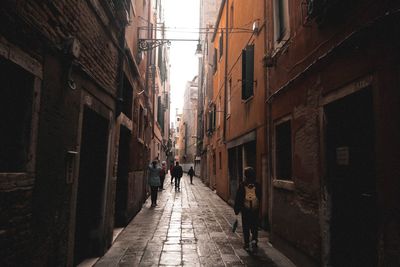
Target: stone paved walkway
(187,228)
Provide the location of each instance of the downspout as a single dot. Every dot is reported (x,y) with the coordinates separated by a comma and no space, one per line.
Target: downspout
(120,77)
(147,73)
(268,122)
(226,70)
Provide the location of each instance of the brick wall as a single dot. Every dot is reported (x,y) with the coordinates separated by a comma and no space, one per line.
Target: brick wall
(35,222)
(88,22)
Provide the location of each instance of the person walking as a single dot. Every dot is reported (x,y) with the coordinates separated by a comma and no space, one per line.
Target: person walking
(177,173)
(154,181)
(191,174)
(171,168)
(163,173)
(247,201)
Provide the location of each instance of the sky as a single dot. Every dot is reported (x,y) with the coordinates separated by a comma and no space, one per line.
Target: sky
(182,22)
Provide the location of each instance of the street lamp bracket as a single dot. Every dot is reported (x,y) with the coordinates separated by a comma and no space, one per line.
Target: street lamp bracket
(149,44)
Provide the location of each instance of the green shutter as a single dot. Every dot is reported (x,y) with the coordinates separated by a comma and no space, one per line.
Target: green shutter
(247,72)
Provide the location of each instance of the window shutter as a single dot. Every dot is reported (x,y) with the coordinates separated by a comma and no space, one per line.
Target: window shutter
(215,62)
(214,116)
(210,121)
(247,71)
(160,112)
(221,44)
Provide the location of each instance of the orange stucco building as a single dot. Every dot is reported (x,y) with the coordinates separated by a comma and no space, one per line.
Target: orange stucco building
(236,118)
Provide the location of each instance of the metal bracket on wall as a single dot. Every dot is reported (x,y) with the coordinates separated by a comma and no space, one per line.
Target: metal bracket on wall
(148,44)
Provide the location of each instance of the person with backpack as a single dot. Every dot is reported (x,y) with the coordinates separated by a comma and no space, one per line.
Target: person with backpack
(191,174)
(247,202)
(177,173)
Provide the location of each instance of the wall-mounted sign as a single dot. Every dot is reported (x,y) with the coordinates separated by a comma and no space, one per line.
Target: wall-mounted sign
(342,156)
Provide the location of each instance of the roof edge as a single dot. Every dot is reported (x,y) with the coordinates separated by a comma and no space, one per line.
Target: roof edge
(221,8)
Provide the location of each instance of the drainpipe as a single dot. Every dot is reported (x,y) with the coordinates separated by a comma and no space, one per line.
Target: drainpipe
(120,77)
(226,70)
(269,120)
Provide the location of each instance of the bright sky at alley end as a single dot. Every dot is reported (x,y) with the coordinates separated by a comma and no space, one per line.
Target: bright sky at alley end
(182,22)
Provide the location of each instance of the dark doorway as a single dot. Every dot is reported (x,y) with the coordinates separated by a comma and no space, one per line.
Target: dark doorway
(251,155)
(351,180)
(233,172)
(91,185)
(120,217)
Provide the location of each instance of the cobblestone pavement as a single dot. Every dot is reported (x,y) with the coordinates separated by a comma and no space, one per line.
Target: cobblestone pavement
(191,227)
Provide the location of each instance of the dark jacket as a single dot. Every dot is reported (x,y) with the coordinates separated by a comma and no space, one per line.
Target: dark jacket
(191,172)
(240,194)
(177,171)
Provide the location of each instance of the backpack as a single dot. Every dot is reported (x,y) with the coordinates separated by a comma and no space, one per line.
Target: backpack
(250,197)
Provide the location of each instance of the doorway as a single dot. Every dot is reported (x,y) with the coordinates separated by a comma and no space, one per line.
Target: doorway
(91,186)
(351,180)
(235,170)
(121,195)
(240,157)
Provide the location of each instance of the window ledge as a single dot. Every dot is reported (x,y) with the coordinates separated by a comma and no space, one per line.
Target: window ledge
(281,46)
(16,181)
(283,184)
(248,99)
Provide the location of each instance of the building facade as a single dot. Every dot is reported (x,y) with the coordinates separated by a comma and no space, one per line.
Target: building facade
(330,79)
(188,125)
(236,119)
(81,111)
(332,74)
(60,108)
(208,14)
(305,92)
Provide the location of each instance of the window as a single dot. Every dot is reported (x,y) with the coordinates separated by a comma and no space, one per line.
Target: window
(127,98)
(221,44)
(281,17)
(141,123)
(247,72)
(211,119)
(231,17)
(160,112)
(219,113)
(16,111)
(215,61)
(228,103)
(214,117)
(283,151)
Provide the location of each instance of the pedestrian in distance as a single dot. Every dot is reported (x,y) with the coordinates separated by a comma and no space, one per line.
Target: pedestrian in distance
(163,173)
(171,168)
(154,181)
(247,202)
(191,174)
(177,173)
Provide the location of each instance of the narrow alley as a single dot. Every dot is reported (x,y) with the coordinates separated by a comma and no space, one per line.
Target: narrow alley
(287,108)
(191,227)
